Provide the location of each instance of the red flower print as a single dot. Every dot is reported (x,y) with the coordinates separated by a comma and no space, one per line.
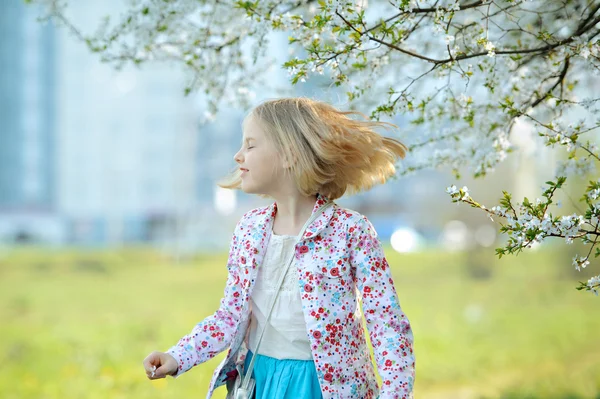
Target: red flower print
(335,271)
(303,249)
(243,260)
(328,377)
(321,310)
(232,374)
(317,334)
(307,288)
(388,363)
(236,294)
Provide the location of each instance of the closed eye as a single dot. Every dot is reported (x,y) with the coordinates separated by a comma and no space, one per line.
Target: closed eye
(249,148)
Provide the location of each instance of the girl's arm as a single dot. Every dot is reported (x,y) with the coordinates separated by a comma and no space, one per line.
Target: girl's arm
(388,327)
(213,334)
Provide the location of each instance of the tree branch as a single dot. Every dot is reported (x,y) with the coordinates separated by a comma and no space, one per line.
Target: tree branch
(560,81)
(585,21)
(582,28)
(425,11)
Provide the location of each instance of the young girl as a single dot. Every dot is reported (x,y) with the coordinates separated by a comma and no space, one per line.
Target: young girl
(304,154)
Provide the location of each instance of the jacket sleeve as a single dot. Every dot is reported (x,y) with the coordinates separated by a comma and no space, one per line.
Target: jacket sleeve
(213,334)
(389,329)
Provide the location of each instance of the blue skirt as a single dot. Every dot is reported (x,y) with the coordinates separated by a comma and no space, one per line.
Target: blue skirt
(284,378)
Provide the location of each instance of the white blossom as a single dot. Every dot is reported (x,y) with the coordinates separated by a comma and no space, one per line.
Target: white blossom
(452,190)
(580,262)
(594,194)
(465,191)
(594,284)
(498,210)
(490,47)
(455,6)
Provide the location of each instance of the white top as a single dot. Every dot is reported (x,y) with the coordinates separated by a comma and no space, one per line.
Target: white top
(285,336)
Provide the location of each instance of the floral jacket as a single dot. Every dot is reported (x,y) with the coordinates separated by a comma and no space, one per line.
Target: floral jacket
(339,259)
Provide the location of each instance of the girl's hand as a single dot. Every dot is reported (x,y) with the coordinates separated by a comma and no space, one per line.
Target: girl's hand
(159,365)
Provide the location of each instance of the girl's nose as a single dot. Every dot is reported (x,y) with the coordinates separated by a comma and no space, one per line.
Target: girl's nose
(238,157)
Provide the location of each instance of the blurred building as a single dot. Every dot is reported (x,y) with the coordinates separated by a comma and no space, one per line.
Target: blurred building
(28,191)
(88,154)
(128,142)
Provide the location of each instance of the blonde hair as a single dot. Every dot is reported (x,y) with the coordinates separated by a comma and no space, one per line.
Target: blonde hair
(332,153)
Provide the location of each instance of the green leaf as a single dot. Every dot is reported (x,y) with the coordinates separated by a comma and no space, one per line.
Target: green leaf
(359,65)
(355,36)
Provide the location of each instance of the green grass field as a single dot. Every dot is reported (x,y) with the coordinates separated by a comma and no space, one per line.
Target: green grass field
(77,324)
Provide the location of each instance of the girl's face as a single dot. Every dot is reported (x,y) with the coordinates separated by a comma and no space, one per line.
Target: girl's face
(258,160)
